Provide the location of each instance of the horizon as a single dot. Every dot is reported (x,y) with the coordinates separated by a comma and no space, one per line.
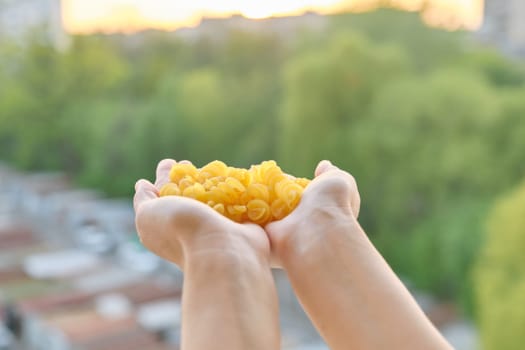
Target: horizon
(129,16)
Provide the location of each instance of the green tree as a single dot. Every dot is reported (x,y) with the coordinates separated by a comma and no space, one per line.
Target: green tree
(427,48)
(441,252)
(92,67)
(326,92)
(424,143)
(31,106)
(419,159)
(432,128)
(508,138)
(499,70)
(500,275)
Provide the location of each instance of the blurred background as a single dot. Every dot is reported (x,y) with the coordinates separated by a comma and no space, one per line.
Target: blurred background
(423,101)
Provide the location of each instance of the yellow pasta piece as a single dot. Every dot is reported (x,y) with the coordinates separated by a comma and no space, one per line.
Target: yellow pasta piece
(219,208)
(236,212)
(236,209)
(289,192)
(208,184)
(272,176)
(179,171)
(261,194)
(232,196)
(259,191)
(258,211)
(302,182)
(215,168)
(279,209)
(218,196)
(195,191)
(235,184)
(185,182)
(169,189)
(243,175)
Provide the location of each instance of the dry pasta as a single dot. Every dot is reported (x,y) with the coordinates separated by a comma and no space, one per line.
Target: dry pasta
(260,194)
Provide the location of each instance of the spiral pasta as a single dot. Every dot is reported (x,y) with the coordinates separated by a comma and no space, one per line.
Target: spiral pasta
(260,194)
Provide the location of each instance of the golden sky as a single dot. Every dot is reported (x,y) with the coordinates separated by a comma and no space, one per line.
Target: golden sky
(85,16)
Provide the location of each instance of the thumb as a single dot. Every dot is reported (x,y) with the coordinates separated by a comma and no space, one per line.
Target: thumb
(323,167)
(339,186)
(144,191)
(277,232)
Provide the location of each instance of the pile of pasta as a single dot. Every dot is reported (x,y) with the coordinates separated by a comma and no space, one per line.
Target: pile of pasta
(260,194)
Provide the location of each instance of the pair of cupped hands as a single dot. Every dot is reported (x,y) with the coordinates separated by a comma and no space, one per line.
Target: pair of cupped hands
(180,229)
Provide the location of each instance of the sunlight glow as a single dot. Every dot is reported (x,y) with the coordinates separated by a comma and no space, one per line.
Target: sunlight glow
(86,16)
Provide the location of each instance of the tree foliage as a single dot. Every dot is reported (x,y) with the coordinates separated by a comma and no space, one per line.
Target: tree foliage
(432,128)
(500,275)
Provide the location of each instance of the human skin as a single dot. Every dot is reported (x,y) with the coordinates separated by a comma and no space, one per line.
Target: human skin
(350,293)
(229,298)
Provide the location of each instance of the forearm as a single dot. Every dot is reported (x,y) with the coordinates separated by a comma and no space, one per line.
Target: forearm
(354,298)
(229,302)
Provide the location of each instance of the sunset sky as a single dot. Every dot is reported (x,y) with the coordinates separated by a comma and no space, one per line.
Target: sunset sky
(84,16)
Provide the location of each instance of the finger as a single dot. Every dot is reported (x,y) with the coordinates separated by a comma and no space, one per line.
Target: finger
(273,230)
(323,167)
(144,191)
(163,172)
(275,261)
(356,204)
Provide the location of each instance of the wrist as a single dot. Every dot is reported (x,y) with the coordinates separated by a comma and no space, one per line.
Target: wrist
(230,245)
(310,242)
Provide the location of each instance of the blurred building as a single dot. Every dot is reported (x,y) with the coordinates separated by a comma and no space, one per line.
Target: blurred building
(504,25)
(19,17)
(73,275)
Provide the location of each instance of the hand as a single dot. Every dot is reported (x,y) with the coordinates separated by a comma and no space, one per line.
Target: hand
(352,296)
(227,279)
(179,229)
(331,200)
